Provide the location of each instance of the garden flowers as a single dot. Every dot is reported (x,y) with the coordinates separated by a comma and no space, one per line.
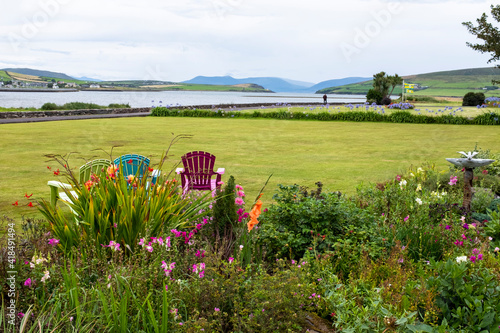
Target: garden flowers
(254,214)
(453,180)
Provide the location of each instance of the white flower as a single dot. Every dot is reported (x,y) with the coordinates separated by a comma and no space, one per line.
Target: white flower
(461,259)
(419,201)
(241,247)
(402,183)
(419,170)
(46,276)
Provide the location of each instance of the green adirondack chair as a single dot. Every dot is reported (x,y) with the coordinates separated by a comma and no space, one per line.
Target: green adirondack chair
(97,167)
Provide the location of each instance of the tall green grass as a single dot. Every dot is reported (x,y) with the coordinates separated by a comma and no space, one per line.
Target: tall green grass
(339,154)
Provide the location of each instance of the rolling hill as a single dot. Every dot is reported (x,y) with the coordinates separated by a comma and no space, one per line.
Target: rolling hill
(455,83)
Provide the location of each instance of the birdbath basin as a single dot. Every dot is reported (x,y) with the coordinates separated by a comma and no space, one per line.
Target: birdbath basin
(469,163)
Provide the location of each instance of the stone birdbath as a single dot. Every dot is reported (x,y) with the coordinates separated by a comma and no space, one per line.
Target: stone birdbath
(469,163)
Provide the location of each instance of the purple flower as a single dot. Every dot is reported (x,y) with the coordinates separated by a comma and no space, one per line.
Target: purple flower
(465,226)
(473,259)
(448,227)
(453,180)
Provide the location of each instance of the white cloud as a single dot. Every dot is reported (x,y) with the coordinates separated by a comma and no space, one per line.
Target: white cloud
(292,39)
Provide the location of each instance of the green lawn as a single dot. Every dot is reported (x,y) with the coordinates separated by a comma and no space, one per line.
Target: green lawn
(339,154)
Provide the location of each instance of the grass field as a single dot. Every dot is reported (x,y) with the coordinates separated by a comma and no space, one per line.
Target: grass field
(339,154)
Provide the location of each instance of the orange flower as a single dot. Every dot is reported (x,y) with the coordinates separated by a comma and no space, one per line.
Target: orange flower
(89,184)
(112,169)
(254,214)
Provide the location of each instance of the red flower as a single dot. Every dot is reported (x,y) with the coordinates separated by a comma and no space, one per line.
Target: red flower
(16,203)
(30,204)
(129,162)
(56,173)
(485,172)
(48,167)
(150,169)
(27,196)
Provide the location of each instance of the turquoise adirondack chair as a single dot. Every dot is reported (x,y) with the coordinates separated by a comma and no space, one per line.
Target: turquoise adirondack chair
(97,167)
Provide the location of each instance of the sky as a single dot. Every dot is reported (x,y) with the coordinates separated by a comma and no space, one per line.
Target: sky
(308,41)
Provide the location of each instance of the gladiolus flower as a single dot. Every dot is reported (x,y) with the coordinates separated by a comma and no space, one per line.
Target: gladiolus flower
(254,214)
(111,171)
(89,184)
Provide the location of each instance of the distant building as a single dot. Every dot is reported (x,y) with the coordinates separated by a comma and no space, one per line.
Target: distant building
(55,86)
(70,84)
(95,86)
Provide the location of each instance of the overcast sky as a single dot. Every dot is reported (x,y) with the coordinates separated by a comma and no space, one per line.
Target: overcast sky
(311,41)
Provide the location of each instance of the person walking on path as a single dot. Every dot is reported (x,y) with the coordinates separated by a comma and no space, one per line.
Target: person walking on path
(324,99)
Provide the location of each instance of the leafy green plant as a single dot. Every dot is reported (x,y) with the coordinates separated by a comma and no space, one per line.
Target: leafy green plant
(117,210)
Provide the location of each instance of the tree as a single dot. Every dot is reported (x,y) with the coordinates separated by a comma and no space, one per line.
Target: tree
(488,33)
(381,85)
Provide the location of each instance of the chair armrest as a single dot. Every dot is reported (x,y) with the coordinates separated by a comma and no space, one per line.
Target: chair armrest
(179,170)
(221,171)
(57,184)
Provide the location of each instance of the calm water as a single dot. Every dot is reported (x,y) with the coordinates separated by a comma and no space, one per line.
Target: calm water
(147,99)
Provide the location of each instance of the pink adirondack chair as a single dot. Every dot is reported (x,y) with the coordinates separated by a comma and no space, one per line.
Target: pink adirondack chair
(198,173)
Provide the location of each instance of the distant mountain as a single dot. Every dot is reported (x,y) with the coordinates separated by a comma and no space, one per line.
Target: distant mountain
(337,82)
(272,83)
(35,72)
(84,78)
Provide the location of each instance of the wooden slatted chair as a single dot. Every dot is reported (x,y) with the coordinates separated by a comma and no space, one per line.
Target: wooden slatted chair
(198,173)
(97,167)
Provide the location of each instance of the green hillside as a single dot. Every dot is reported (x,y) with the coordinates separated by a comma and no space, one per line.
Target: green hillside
(454,83)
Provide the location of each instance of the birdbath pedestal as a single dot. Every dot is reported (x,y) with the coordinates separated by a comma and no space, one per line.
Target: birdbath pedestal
(469,163)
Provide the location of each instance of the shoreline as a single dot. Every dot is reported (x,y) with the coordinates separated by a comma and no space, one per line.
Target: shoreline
(37,90)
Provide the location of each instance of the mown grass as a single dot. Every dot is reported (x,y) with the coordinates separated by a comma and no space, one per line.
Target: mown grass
(339,154)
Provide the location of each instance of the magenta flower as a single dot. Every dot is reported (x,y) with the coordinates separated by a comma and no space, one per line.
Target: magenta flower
(53,241)
(28,283)
(166,287)
(473,259)
(195,268)
(406,218)
(231,259)
(216,309)
(201,274)
(453,180)
(475,251)
(465,226)
(239,201)
(398,178)
(480,256)
(448,227)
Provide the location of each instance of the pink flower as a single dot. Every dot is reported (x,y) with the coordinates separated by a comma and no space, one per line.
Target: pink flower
(141,242)
(239,201)
(216,309)
(231,259)
(195,268)
(453,180)
(475,251)
(149,247)
(480,256)
(53,241)
(485,172)
(406,218)
(201,274)
(398,178)
(29,282)
(241,193)
(473,259)
(464,237)
(166,287)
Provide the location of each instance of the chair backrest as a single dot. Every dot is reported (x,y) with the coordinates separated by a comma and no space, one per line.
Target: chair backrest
(199,169)
(132,164)
(97,167)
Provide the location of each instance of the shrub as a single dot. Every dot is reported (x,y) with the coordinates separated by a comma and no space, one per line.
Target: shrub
(49,106)
(300,221)
(374,96)
(473,99)
(386,101)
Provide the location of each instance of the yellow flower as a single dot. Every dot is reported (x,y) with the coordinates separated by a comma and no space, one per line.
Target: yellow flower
(419,187)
